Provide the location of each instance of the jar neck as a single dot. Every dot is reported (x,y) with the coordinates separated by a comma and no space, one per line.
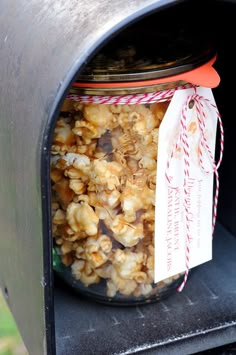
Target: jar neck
(103,91)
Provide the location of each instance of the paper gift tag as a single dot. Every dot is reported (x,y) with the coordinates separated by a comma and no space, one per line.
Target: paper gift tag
(189,191)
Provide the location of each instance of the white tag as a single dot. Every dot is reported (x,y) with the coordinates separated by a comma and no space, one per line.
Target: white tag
(170,213)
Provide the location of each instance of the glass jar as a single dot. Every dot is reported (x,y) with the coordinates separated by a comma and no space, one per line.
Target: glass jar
(103,171)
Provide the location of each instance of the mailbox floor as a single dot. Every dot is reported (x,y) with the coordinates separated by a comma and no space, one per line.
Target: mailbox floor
(200,318)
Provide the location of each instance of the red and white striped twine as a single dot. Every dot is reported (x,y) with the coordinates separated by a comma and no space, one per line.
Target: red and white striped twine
(200,104)
(200,101)
(134,99)
(186,151)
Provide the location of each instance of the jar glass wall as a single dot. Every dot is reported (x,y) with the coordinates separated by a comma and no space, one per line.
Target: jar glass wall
(103,171)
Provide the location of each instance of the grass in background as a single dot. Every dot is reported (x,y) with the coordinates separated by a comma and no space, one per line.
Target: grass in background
(10,339)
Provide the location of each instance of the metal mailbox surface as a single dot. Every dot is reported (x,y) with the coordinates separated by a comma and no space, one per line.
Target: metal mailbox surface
(43,45)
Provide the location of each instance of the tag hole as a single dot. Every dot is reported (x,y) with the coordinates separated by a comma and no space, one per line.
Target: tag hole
(191,104)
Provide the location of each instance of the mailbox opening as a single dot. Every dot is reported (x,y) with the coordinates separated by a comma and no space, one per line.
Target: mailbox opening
(203,285)
(104,159)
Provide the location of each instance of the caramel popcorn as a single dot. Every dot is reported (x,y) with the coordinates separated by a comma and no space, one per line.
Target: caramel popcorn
(103,173)
(82,218)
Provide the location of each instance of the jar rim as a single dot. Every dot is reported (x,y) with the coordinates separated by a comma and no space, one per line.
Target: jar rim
(203,75)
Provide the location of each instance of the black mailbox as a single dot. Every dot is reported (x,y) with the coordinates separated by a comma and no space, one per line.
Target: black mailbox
(43,47)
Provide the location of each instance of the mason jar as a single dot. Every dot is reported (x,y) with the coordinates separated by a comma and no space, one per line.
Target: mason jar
(104,167)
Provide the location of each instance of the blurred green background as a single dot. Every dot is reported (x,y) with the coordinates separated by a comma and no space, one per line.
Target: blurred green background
(10,339)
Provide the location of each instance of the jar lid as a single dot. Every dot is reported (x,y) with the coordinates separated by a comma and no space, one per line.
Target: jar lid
(142,55)
(126,65)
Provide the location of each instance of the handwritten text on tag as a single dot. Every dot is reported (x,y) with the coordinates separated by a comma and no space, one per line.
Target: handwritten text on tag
(184,192)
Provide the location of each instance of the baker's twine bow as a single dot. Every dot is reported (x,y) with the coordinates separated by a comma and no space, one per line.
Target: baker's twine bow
(200,103)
